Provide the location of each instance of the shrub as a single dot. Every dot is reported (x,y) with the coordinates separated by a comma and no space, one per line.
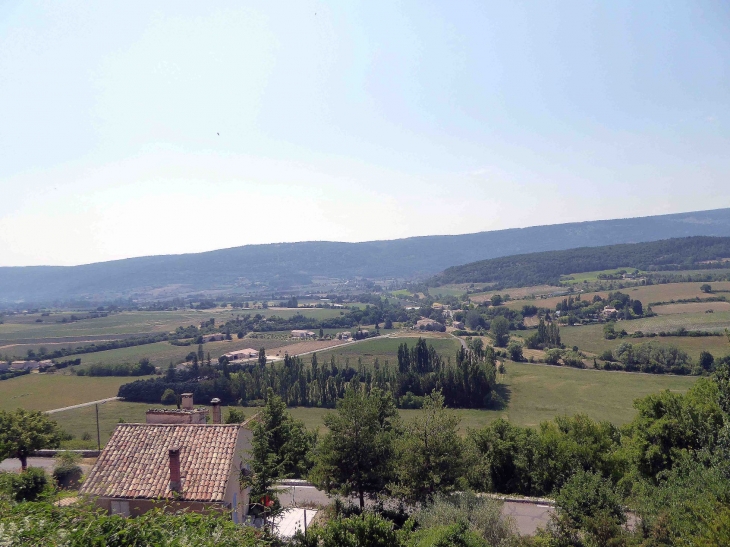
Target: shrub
(552,356)
(169,397)
(607,355)
(515,351)
(573,359)
(482,516)
(235,416)
(30,485)
(67,472)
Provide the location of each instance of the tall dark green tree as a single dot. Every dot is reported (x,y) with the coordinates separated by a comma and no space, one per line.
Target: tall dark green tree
(429,452)
(499,330)
(356,456)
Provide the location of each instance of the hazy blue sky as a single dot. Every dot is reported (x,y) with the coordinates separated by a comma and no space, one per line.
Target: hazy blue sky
(350,122)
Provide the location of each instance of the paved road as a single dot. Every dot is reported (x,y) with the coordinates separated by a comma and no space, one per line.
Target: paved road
(100,402)
(13,464)
(527,516)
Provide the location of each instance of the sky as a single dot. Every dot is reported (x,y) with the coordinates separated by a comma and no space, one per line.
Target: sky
(135,128)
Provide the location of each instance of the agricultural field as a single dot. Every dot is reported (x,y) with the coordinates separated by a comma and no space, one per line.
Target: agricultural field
(23,327)
(691,321)
(647,294)
(592,277)
(534,393)
(520,293)
(387,348)
(49,391)
(691,307)
(589,338)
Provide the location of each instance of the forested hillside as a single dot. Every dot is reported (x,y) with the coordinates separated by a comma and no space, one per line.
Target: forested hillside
(547,267)
(284,265)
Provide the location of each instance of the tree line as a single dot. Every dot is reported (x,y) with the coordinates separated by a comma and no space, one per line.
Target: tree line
(548,267)
(468,382)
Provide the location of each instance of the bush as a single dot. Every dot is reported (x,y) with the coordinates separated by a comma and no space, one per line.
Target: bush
(357,531)
(552,356)
(67,473)
(235,416)
(482,516)
(573,359)
(169,397)
(30,485)
(607,355)
(515,351)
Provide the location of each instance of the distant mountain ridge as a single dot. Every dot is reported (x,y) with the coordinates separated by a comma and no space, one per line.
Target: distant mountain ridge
(547,267)
(283,265)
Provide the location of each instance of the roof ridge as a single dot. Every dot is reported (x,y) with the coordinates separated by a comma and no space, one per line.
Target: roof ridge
(177,425)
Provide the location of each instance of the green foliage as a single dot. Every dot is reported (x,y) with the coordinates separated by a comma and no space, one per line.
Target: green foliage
(515,351)
(499,329)
(482,515)
(670,426)
(235,416)
(546,336)
(429,453)
(30,485)
(366,530)
(548,267)
(169,397)
(511,459)
(67,472)
(467,384)
(588,512)
(25,431)
(452,535)
(42,525)
(280,449)
(356,456)
(553,356)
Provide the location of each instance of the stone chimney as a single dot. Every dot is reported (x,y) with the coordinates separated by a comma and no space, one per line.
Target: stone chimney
(187,401)
(175,484)
(216,404)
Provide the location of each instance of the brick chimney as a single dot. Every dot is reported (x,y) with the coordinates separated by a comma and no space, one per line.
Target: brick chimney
(175,485)
(216,404)
(187,401)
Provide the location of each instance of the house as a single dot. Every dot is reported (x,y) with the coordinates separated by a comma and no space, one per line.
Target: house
(457,324)
(180,467)
(25,365)
(248,353)
(343,335)
(302,334)
(214,337)
(608,310)
(187,414)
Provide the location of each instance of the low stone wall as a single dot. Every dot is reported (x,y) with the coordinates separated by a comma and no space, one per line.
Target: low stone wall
(54,453)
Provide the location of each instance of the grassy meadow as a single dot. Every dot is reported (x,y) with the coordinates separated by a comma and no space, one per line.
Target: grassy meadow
(387,349)
(49,391)
(534,393)
(589,338)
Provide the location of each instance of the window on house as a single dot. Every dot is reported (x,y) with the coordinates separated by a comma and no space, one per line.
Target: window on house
(120,508)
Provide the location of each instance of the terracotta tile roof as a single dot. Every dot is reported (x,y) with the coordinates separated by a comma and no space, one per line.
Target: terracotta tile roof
(135,462)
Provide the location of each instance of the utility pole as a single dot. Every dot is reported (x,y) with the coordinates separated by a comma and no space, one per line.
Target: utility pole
(98,434)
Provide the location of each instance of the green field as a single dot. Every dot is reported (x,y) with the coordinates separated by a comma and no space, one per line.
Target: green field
(535,393)
(590,338)
(691,321)
(387,349)
(49,391)
(23,327)
(589,277)
(162,353)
